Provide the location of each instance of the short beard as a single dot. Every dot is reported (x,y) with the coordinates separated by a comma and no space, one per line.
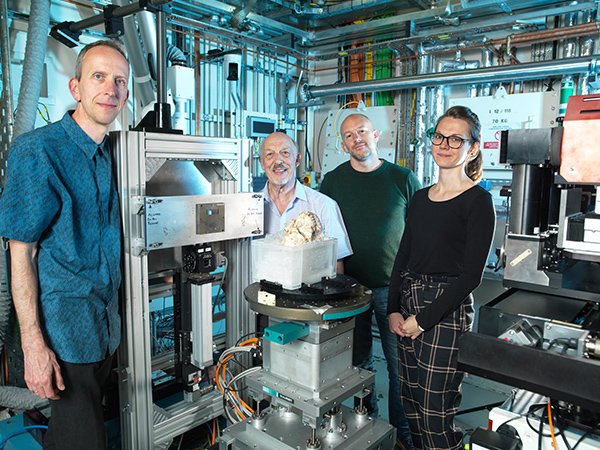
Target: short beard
(281,182)
(366,156)
(287,179)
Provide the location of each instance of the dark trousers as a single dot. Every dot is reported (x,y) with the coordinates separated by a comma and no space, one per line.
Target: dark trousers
(362,356)
(76,420)
(429,380)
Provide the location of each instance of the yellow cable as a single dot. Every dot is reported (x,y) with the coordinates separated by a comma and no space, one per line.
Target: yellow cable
(369,74)
(335,120)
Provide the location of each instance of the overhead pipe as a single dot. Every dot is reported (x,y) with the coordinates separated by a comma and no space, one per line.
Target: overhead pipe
(221,77)
(458,44)
(586,48)
(570,44)
(472,91)
(99,19)
(139,66)
(438,109)
(525,71)
(141,75)
(458,63)
(147,26)
(573,31)
(176,56)
(423,68)
(518,39)
(148,32)
(567,83)
(511,53)
(529,38)
(67,32)
(161,56)
(162,109)
(159,119)
(586,44)
(486,59)
(432,170)
(197,87)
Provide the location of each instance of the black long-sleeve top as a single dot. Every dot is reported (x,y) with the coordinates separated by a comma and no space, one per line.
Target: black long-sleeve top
(448,238)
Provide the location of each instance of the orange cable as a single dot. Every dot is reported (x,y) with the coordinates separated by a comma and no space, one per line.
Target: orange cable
(251,340)
(217,379)
(551,426)
(223,364)
(213,431)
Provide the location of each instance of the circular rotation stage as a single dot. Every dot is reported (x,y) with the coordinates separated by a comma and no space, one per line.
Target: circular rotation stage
(330,299)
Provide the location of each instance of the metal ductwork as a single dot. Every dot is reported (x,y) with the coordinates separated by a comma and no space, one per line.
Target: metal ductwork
(487,56)
(6,97)
(523,72)
(147,29)
(567,84)
(33,67)
(586,48)
(139,65)
(423,69)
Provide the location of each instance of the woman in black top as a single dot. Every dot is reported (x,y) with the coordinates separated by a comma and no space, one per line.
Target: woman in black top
(444,249)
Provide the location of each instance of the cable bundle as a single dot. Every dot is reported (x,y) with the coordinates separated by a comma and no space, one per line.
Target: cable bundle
(235,408)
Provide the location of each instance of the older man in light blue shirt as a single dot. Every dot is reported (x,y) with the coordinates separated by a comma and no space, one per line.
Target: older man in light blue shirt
(285,198)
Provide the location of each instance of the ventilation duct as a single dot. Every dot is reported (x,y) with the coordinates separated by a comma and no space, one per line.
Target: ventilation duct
(33,67)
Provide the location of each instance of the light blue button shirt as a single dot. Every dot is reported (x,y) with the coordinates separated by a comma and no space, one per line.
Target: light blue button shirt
(306,199)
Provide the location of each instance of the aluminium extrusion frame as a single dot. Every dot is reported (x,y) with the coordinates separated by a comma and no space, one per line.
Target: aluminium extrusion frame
(143,423)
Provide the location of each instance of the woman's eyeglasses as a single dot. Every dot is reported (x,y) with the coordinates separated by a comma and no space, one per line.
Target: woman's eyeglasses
(453,141)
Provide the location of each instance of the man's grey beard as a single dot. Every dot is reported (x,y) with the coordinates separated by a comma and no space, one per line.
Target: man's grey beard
(287,179)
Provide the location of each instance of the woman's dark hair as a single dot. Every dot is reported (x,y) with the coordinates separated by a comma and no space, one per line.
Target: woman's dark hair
(474,168)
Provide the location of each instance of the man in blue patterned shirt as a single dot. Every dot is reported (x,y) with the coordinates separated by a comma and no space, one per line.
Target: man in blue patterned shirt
(60,211)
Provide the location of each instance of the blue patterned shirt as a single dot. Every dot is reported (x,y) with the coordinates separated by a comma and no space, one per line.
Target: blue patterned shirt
(60,193)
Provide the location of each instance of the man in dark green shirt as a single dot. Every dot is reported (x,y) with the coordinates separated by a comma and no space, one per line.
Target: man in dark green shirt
(373,195)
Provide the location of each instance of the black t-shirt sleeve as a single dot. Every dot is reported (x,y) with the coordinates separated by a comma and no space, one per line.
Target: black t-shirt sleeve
(326,186)
(480,225)
(412,185)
